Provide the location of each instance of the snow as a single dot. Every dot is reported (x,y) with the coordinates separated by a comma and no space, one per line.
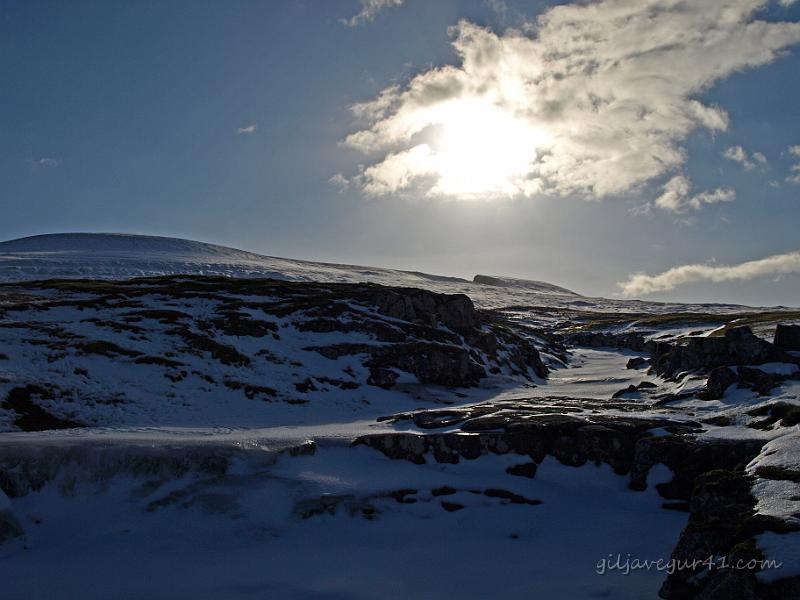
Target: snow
(133,510)
(121,256)
(777,368)
(784,551)
(240,536)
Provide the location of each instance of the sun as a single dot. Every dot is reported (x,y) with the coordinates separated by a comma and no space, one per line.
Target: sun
(481,150)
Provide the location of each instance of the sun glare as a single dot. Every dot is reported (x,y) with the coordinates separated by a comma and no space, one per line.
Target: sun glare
(482,151)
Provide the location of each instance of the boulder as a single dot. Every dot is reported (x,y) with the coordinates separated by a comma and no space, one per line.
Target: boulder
(787,337)
(719,380)
(637,362)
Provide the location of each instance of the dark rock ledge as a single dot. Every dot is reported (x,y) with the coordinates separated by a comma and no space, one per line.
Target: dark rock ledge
(709,479)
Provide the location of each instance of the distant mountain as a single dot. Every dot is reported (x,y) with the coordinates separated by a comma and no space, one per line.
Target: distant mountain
(539,286)
(121,256)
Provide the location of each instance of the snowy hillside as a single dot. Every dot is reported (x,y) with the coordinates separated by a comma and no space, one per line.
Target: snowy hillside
(242,426)
(121,256)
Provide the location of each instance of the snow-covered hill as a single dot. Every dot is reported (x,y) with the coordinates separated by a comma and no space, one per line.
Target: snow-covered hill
(236,426)
(122,256)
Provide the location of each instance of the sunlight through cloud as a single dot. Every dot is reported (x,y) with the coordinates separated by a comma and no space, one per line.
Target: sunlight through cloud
(590,99)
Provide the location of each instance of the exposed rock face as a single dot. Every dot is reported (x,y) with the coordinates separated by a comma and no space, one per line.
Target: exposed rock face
(601,339)
(454,311)
(744,377)
(787,337)
(216,335)
(537,429)
(709,479)
(722,525)
(739,346)
(430,363)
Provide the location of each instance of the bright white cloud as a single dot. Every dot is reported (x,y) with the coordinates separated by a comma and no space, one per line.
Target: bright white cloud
(370,8)
(642,284)
(593,98)
(739,155)
(249,130)
(676,196)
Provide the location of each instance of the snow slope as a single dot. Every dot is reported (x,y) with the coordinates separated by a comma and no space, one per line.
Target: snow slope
(195,479)
(121,256)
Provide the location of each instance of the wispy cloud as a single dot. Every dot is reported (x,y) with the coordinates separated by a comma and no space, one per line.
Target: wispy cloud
(249,130)
(642,284)
(369,9)
(47,162)
(795,168)
(594,99)
(340,181)
(739,155)
(676,196)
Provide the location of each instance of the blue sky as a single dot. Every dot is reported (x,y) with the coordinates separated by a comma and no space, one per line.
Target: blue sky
(120,116)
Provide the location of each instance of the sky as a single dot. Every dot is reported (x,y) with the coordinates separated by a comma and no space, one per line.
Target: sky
(623,148)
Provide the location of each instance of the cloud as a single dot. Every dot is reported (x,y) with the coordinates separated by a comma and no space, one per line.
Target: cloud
(676,196)
(369,9)
(47,162)
(340,181)
(738,154)
(795,168)
(594,99)
(642,284)
(249,130)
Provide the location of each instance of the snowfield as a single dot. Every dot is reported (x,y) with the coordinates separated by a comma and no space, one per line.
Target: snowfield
(229,425)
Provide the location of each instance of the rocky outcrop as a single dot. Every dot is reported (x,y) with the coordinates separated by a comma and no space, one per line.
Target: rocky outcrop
(602,339)
(720,534)
(230,335)
(787,337)
(532,428)
(708,480)
(739,346)
(454,311)
(438,364)
(752,378)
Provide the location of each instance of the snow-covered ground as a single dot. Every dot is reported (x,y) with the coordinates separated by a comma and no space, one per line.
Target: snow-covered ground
(196,477)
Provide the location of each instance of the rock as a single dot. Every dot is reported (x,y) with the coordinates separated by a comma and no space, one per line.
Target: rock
(719,380)
(454,311)
(761,382)
(10,527)
(787,337)
(523,470)
(601,339)
(631,389)
(637,362)
(437,364)
(722,525)
(739,346)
